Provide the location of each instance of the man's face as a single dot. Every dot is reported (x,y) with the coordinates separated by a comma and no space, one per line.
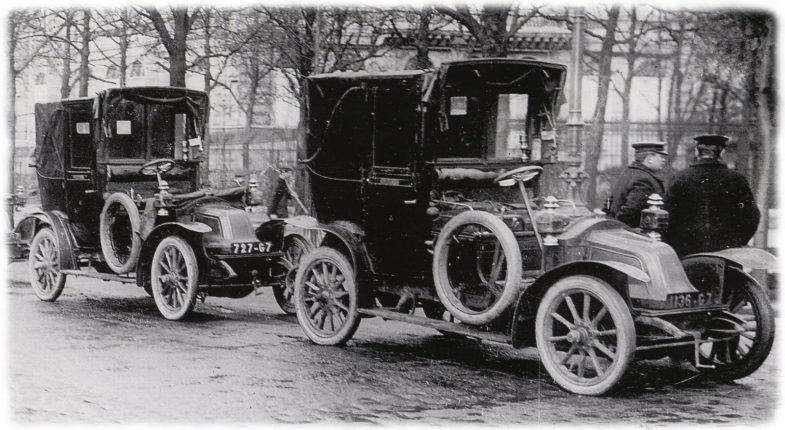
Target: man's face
(656,161)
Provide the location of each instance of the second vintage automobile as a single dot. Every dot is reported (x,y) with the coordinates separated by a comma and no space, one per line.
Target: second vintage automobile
(122,200)
(427,185)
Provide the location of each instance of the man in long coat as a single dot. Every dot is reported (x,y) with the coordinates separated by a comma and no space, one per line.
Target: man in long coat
(711,207)
(638,181)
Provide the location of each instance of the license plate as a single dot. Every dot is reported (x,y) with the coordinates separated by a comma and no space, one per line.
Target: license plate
(695,299)
(251,247)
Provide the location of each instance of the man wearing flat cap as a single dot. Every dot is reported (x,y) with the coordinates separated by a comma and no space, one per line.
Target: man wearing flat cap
(711,207)
(638,181)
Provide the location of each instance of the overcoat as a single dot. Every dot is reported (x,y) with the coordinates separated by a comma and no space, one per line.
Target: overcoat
(631,192)
(711,208)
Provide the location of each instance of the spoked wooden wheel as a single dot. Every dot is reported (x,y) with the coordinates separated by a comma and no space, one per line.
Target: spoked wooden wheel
(325,297)
(294,248)
(747,332)
(585,335)
(174,278)
(45,276)
(476,267)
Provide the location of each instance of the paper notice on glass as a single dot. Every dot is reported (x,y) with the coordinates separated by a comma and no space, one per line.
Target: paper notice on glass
(123,127)
(458,105)
(196,141)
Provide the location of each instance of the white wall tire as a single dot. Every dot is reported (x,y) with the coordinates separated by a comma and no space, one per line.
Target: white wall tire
(504,268)
(174,278)
(326,297)
(44,264)
(119,217)
(585,335)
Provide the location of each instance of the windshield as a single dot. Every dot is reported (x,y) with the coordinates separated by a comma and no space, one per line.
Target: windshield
(148,128)
(495,111)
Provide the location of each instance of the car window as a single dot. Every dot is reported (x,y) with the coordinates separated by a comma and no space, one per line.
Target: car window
(81,148)
(126,124)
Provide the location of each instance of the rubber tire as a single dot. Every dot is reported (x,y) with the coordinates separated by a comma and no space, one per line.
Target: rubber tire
(623,321)
(192,285)
(514,267)
(345,268)
(47,296)
(760,349)
(279,291)
(136,242)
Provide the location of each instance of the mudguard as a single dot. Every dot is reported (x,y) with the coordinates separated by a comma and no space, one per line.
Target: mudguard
(58,221)
(616,274)
(189,230)
(302,221)
(751,258)
(349,236)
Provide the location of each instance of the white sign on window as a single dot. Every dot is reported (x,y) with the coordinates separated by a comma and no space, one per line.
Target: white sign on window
(123,127)
(82,128)
(458,105)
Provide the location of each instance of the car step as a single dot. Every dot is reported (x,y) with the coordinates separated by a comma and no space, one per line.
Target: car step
(101,276)
(437,324)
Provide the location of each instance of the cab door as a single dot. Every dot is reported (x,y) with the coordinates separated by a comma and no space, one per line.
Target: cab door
(396,219)
(83,199)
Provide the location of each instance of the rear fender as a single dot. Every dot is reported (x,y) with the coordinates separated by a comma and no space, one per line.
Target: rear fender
(190,231)
(616,274)
(58,222)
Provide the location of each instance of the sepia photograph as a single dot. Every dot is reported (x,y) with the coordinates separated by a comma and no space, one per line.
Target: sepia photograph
(474,213)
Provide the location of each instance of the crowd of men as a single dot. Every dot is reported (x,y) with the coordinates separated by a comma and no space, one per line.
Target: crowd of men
(711,207)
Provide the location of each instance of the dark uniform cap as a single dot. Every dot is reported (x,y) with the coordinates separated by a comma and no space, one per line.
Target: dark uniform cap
(712,139)
(658,147)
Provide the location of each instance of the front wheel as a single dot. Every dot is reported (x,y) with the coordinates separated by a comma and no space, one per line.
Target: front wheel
(749,331)
(294,248)
(174,278)
(45,276)
(325,297)
(585,335)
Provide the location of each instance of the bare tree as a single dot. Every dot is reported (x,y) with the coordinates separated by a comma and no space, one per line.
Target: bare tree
(175,42)
(492,25)
(25,46)
(603,60)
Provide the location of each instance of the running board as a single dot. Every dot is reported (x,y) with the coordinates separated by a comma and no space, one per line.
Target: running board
(436,324)
(102,276)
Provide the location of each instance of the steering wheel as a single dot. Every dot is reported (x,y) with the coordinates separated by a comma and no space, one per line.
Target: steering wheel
(523,173)
(162,165)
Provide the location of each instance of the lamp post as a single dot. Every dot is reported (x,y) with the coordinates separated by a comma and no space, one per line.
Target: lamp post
(573,175)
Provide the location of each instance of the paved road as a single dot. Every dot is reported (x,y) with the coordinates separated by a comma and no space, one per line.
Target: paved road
(102,354)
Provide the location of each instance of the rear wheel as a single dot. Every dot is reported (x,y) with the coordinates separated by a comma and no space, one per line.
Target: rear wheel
(325,297)
(45,276)
(294,248)
(585,335)
(749,330)
(174,278)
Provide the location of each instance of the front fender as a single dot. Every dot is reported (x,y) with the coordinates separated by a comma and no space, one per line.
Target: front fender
(752,258)
(346,237)
(616,274)
(189,230)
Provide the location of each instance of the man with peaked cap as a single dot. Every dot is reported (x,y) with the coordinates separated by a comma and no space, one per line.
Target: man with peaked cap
(711,207)
(638,181)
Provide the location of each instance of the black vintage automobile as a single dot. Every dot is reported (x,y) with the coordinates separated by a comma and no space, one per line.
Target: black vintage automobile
(426,186)
(121,200)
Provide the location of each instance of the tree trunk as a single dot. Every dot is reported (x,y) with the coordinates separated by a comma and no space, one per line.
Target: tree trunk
(594,148)
(208,78)
(177,53)
(65,77)
(124,48)
(84,55)
(421,43)
(11,119)
(766,71)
